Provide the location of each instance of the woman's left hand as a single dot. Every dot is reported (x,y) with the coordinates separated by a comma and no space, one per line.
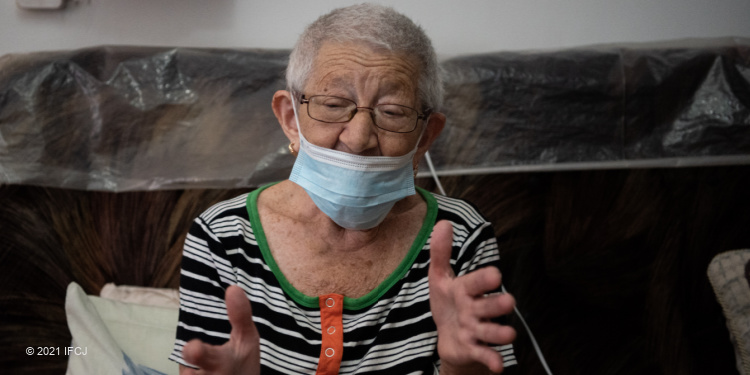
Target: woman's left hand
(462,309)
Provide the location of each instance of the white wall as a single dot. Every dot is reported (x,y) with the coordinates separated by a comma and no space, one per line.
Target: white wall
(456,27)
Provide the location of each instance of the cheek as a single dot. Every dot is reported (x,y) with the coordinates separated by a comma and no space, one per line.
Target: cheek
(323,135)
(394,144)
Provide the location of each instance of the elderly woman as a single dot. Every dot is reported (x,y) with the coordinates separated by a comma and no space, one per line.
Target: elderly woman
(347,267)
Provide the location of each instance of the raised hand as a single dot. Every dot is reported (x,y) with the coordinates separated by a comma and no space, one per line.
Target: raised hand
(462,310)
(239,355)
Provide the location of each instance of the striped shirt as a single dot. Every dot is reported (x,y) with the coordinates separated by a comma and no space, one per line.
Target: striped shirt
(388,331)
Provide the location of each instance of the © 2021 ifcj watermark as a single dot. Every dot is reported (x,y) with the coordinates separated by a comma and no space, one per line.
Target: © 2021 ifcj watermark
(56,350)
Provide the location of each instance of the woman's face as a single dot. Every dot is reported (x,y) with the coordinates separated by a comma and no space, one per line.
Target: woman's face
(367,77)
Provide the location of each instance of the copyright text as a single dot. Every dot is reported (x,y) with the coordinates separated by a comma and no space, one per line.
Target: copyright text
(56,350)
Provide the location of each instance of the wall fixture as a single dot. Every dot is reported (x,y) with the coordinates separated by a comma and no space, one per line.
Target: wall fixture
(41,4)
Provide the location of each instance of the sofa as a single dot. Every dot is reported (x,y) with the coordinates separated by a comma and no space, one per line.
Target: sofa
(613,174)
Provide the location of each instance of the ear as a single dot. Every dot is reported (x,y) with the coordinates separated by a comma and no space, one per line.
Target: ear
(282,108)
(434,126)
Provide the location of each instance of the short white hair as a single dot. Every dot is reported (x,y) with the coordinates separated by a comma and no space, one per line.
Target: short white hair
(379,27)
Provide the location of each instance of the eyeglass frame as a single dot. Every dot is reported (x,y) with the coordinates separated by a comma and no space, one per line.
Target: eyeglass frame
(420,116)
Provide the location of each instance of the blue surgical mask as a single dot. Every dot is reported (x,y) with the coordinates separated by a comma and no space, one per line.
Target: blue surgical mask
(356,192)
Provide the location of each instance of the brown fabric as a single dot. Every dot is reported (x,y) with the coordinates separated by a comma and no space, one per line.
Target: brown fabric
(607,266)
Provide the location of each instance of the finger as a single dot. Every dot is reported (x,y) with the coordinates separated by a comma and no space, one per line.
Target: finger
(497,334)
(482,281)
(493,306)
(192,351)
(184,370)
(240,314)
(488,357)
(441,246)
(200,354)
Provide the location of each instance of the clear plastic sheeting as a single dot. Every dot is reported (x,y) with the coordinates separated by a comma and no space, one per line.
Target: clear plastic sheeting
(683,103)
(145,118)
(133,118)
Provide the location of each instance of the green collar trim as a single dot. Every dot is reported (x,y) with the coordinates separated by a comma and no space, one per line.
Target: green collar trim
(349,303)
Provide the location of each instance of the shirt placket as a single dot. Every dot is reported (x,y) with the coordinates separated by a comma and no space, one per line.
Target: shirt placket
(332,330)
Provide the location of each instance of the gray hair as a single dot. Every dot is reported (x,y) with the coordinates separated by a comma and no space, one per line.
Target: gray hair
(378,26)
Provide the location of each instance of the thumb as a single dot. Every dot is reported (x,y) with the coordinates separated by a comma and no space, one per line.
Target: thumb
(441,246)
(240,313)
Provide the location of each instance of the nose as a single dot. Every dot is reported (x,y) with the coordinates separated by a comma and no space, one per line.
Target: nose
(359,136)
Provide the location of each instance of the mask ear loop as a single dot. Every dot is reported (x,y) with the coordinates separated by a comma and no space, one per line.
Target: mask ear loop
(296,118)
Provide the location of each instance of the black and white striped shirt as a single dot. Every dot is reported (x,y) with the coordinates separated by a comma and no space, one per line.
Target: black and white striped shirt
(388,331)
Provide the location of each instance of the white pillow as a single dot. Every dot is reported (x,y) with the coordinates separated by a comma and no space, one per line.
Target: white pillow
(115,337)
(141,295)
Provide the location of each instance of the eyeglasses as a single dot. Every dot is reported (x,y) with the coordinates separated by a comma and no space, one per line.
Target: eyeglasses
(391,117)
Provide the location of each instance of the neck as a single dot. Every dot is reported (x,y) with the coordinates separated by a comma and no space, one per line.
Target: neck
(349,240)
(339,238)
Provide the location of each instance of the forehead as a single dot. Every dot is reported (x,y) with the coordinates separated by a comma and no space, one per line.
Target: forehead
(353,66)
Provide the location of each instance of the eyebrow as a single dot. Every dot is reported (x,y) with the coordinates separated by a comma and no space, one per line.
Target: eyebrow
(337,82)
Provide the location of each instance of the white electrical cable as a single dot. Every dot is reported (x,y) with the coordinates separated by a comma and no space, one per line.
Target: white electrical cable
(433,173)
(531,336)
(526,326)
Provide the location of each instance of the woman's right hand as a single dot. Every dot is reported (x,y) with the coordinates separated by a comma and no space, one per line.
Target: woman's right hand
(239,355)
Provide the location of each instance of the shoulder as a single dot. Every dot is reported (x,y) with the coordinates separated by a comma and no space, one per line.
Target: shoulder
(459,211)
(228,217)
(230,208)
(474,243)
